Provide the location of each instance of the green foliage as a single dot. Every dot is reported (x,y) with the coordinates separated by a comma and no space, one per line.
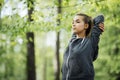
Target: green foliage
(45,17)
(1,1)
(12,55)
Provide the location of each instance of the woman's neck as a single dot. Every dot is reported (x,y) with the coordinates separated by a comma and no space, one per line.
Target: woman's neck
(81,35)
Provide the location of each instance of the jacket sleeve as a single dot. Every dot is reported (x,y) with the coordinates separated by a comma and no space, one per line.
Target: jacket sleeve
(95,35)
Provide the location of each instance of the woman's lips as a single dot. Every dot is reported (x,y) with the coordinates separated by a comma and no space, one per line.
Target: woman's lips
(73,28)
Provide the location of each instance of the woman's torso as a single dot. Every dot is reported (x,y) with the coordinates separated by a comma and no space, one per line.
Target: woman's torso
(78,58)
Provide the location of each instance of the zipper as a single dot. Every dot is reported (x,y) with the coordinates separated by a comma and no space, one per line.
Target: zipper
(69,56)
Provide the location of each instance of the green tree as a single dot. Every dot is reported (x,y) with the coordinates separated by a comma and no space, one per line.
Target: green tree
(31,70)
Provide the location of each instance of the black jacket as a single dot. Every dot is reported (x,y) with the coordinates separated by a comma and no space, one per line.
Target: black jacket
(79,57)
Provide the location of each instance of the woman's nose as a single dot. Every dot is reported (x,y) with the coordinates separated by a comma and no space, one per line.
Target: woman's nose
(73,24)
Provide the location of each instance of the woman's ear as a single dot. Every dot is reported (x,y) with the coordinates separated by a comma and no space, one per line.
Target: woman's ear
(86,26)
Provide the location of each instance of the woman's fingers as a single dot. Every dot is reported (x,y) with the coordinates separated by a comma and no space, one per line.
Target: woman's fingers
(101,26)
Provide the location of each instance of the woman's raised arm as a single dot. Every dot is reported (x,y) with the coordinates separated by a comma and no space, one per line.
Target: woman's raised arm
(97,29)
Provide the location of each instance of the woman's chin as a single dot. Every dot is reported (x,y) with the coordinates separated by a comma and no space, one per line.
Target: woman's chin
(74,32)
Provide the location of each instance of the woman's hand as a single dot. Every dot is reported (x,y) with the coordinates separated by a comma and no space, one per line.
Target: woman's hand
(101,26)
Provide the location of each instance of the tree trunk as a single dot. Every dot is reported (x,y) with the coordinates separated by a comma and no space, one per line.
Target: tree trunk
(6,72)
(31,73)
(57,72)
(45,69)
(30,57)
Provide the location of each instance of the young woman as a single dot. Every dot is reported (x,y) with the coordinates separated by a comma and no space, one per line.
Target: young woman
(82,49)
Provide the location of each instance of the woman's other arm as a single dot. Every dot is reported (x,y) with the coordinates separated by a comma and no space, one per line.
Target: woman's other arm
(97,29)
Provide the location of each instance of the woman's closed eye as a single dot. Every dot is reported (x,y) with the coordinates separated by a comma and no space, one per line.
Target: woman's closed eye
(77,21)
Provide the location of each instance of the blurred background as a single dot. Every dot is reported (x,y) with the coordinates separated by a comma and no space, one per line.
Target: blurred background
(34,35)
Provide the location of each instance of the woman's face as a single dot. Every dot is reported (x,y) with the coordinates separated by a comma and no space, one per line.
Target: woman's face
(78,25)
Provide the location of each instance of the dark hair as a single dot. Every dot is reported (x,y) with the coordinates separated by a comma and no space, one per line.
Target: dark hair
(88,20)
